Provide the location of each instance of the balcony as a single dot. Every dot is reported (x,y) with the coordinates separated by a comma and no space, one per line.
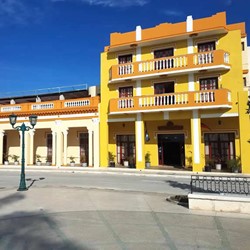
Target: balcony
(82,105)
(190,63)
(209,99)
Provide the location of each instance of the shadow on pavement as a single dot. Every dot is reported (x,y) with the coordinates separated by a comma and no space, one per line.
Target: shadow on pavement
(11,199)
(177,184)
(26,231)
(33,181)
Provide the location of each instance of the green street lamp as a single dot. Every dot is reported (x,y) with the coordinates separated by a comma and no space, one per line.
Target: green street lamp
(23,128)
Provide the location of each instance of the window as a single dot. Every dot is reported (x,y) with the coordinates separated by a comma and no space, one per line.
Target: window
(204,47)
(245,81)
(125,59)
(125,148)
(126,92)
(243,46)
(222,144)
(163,53)
(209,83)
(164,87)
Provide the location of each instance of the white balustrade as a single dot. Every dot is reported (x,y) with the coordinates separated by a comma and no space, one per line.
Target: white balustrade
(125,69)
(80,103)
(163,63)
(202,97)
(204,58)
(11,109)
(42,106)
(125,103)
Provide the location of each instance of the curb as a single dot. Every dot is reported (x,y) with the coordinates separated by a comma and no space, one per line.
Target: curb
(125,171)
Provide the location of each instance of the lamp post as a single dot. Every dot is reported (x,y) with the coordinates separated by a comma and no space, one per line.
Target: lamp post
(23,128)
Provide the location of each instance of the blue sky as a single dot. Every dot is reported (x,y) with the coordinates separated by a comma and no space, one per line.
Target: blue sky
(51,43)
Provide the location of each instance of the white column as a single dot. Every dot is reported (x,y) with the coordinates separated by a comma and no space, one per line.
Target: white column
(139,132)
(96,142)
(138,54)
(59,148)
(189,24)
(31,146)
(90,148)
(190,43)
(138,33)
(191,82)
(65,147)
(1,146)
(138,88)
(196,136)
(53,147)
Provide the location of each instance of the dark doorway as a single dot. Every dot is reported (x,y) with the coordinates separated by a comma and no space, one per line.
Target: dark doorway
(5,149)
(125,148)
(171,149)
(84,148)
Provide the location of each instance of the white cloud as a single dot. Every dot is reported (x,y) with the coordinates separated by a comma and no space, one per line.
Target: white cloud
(110,3)
(228,2)
(173,13)
(17,11)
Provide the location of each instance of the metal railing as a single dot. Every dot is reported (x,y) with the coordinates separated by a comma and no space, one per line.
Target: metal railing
(220,185)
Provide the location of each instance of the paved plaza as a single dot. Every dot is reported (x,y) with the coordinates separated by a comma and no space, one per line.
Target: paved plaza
(76,218)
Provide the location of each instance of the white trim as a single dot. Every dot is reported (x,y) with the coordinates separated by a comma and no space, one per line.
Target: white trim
(121,120)
(219,67)
(216,115)
(196,137)
(169,109)
(138,125)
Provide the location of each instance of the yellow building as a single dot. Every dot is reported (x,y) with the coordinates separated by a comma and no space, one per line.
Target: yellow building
(67,128)
(176,91)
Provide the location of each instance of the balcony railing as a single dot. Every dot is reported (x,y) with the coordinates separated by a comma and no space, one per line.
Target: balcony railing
(89,104)
(173,101)
(170,65)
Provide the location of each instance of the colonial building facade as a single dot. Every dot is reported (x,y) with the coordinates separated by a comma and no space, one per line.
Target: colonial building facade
(67,128)
(177,93)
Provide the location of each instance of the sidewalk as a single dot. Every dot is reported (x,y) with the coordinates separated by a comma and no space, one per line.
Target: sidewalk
(75,218)
(127,171)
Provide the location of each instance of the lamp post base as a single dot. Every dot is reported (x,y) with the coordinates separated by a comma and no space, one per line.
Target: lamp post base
(22,185)
(22,189)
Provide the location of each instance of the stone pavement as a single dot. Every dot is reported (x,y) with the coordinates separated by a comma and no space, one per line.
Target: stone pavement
(76,218)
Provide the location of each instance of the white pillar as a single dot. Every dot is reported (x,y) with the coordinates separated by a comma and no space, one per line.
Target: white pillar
(189,24)
(90,148)
(139,141)
(196,137)
(65,146)
(191,82)
(138,33)
(31,146)
(59,148)
(53,147)
(1,146)
(96,142)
